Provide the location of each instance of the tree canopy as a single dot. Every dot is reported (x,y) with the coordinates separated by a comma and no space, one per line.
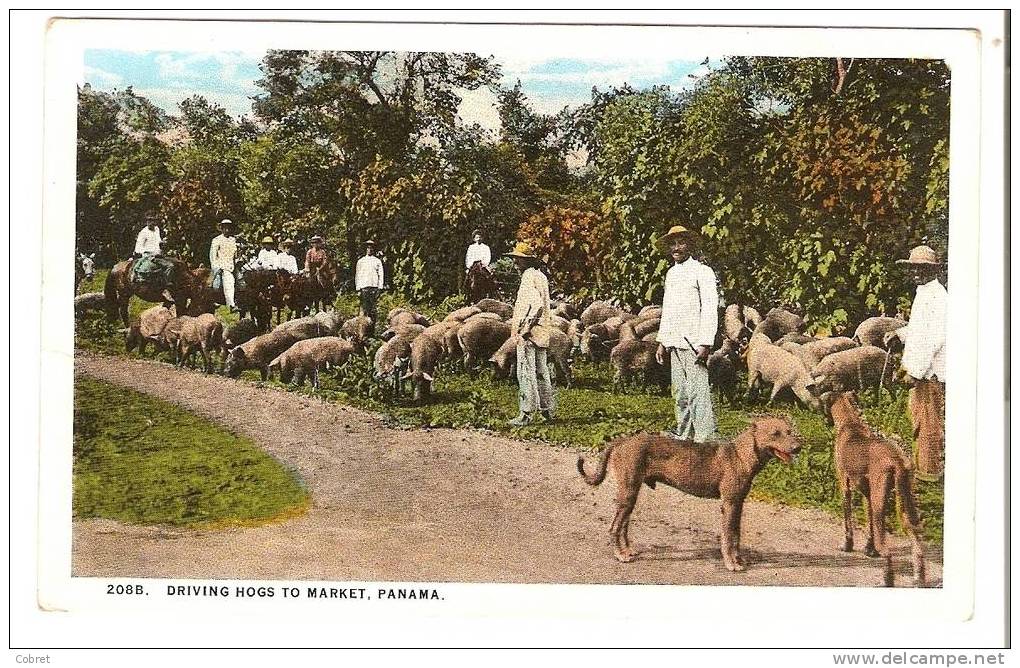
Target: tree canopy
(806,177)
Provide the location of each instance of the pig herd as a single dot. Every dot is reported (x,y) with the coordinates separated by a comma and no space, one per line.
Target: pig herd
(772,350)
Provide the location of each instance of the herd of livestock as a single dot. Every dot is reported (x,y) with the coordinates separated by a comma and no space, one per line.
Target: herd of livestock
(772,348)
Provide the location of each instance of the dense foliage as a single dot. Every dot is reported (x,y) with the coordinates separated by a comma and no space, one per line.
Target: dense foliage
(806,177)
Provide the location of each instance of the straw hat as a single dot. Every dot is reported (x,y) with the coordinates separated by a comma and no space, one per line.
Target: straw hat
(268,240)
(476,233)
(666,240)
(523,249)
(921,255)
(370,242)
(287,242)
(316,239)
(226,222)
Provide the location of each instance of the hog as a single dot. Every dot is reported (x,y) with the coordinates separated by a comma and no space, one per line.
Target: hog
(258,352)
(600,311)
(631,358)
(302,328)
(722,369)
(426,352)
(638,328)
(331,322)
(598,339)
(90,301)
(405,317)
(872,331)
(484,315)
(357,330)
(739,322)
(502,309)
(307,357)
(505,359)
(853,369)
(204,334)
(479,338)
(149,328)
(769,363)
(795,337)
(241,331)
(812,352)
(462,314)
(649,312)
(390,361)
(779,322)
(411,330)
(565,310)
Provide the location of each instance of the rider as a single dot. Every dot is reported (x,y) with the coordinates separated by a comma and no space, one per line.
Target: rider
(368,280)
(316,255)
(477,252)
(149,241)
(267,257)
(222,254)
(284,259)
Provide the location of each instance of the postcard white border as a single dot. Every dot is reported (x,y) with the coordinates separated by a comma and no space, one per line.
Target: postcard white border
(698,607)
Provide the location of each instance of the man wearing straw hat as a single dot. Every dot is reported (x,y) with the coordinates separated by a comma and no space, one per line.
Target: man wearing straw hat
(477,252)
(687,331)
(222,254)
(267,257)
(531,322)
(924,359)
(284,259)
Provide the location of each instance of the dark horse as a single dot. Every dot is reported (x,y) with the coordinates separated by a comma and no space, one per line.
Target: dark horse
(184,284)
(479,283)
(317,289)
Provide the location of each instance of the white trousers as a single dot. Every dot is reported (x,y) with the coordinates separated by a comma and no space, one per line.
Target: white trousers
(228,288)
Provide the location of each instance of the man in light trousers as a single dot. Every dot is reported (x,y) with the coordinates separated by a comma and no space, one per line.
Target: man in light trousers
(222,254)
(531,321)
(687,330)
(924,360)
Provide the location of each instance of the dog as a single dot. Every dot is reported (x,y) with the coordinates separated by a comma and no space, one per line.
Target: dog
(720,470)
(874,466)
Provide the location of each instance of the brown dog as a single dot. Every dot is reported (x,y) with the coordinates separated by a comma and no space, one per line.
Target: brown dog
(710,470)
(873,466)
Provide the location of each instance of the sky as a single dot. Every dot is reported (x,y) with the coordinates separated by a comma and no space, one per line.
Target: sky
(228,78)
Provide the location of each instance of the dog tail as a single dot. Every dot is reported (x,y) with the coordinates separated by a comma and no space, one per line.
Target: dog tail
(600,474)
(911,522)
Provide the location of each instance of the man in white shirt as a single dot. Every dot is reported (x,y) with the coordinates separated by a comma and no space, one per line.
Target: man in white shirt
(149,241)
(222,254)
(284,259)
(531,322)
(267,256)
(368,280)
(687,330)
(477,252)
(924,359)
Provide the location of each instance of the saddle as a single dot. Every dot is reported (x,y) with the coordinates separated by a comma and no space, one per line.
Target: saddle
(153,270)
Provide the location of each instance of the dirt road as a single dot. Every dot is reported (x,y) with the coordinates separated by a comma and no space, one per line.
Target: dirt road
(446,505)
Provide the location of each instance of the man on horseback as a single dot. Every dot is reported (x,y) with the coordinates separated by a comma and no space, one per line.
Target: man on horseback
(267,257)
(149,240)
(222,254)
(284,259)
(477,252)
(316,255)
(368,280)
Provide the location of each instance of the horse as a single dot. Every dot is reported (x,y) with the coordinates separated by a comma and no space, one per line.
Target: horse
(249,297)
(479,283)
(316,289)
(184,283)
(84,268)
(272,284)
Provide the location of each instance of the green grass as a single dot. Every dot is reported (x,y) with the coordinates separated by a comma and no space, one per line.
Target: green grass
(589,415)
(141,460)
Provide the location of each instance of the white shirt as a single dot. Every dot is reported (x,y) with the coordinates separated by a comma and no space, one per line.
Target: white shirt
(477,252)
(222,253)
(924,337)
(532,299)
(267,258)
(690,306)
(148,241)
(287,262)
(368,273)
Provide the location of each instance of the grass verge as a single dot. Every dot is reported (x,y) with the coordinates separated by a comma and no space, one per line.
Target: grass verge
(141,460)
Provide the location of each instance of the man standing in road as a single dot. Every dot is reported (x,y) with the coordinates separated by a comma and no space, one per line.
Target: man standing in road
(222,255)
(924,360)
(368,280)
(687,331)
(149,241)
(531,322)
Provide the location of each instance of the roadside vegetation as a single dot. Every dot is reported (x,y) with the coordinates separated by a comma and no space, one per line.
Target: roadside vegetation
(141,460)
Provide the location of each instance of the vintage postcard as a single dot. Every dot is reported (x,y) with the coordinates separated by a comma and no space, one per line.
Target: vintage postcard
(369,315)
